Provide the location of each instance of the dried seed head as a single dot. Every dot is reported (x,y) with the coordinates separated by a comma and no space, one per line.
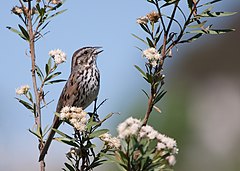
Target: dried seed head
(153,16)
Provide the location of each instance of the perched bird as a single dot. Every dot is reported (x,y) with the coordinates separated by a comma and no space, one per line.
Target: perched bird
(81,88)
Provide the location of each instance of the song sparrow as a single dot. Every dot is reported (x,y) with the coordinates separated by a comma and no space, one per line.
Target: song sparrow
(81,88)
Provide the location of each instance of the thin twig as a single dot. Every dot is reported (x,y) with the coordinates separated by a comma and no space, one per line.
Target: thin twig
(33,71)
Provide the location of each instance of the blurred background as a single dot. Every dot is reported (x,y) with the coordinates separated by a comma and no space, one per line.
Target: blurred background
(201,109)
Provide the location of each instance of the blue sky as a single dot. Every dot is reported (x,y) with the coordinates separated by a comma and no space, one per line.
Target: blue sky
(102,23)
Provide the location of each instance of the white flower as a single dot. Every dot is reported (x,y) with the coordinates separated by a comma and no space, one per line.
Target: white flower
(171,160)
(112,142)
(80,126)
(168,142)
(153,63)
(152,55)
(129,127)
(142,20)
(58,55)
(76,116)
(22,90)
(149,132)
(160,146)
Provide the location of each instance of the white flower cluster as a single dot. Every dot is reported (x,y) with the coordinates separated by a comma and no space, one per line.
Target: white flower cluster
(133,126)
(75,115)
(58,55)
(148,132)
(152,55)
(22,90)
(129,127)
(111,142)
(142,20)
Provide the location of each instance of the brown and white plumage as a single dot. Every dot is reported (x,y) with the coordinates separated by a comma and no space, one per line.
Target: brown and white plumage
(81,88)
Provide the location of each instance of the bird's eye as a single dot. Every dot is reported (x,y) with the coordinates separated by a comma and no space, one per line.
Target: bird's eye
(86,52)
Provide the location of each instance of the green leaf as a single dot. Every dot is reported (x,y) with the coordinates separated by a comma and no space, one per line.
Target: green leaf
(190,4)
(220,31)
(70,142)
(216,14)
(95,164)
(159,96)
(55,81)
(145,28)
(209,3)
(62,134)
(140,39)
(141,71)
(69,167)
(98,133)
(26,104)
(48,66)
(52,76)
(29,95)
(35,133)
(145,93)
(169,3)
(106,117)
(197,25)
(24,32)
(150,43)
(16,31)
(56,14)
(212,31)
(45,130)
(191,39)
(39,73)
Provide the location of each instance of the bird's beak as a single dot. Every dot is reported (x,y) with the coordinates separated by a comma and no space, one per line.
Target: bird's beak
(97,51)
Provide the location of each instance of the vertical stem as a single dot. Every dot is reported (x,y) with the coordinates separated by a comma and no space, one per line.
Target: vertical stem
(36,92)
(149,110)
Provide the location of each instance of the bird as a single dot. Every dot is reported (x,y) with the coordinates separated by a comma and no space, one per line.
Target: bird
(81,88)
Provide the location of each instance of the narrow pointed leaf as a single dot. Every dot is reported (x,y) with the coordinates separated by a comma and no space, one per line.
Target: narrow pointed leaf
(16,31)
(190,3)
(197,25)
(139,39)
(145,93)
(141,71)
(55,81)
(53,76)
(169,3)
(34,133)
(150,43)
(62,134)
(24,32)
(217,14)
(159,96)
(69,167)
(26,104)
(98,133)
(191,39)
(209,3)
(56,14)
(145,28)
(67,141)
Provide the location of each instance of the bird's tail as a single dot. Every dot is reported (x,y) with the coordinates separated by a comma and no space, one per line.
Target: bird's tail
(56,124)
